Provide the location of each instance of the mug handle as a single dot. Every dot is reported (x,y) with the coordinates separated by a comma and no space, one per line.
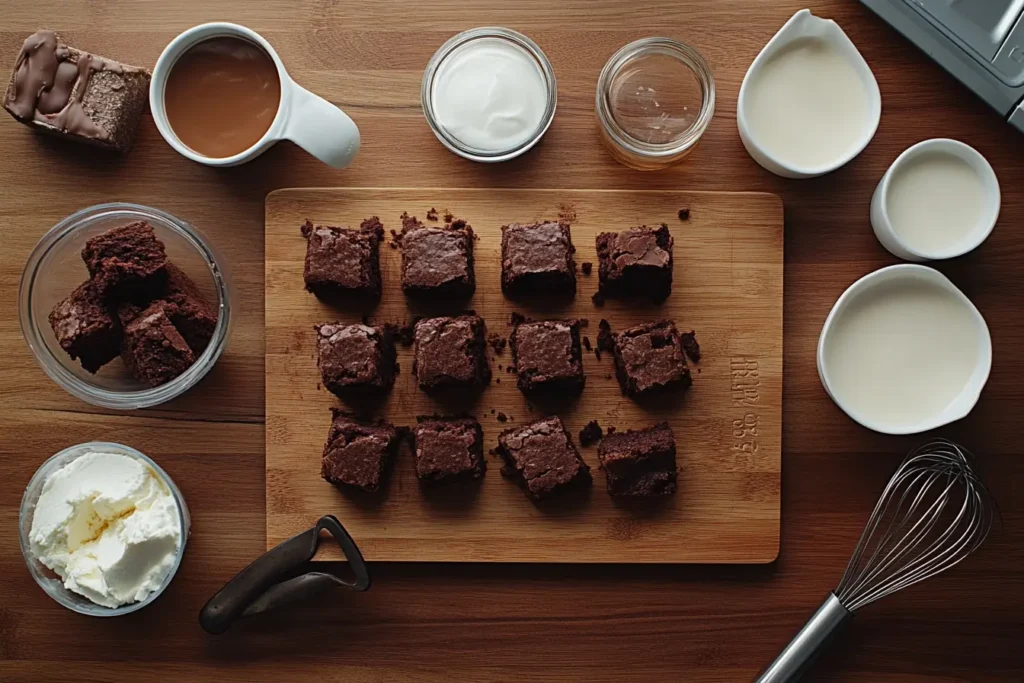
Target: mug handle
(320,128)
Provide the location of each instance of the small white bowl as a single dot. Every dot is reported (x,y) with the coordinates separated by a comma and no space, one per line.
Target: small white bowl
(882,225)
(956,409)
(801,25)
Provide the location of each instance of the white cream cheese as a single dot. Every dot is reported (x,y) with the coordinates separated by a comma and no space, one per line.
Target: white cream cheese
(108,526)
(490,95)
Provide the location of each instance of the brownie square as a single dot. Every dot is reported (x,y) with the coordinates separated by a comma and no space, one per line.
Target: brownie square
(536,259)
(649,359)
(636,263)
(124,260)
(68,93)
(153,350)
(355,360)
(86,328)
(548,356)
(640,463)
(448,449)
(343,261)
(437,261)
(451,353)
(542,457)
(358,456)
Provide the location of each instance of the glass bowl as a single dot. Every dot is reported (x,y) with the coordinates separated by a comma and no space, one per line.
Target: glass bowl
(459,42)
(55,268)
(48,580)
(655,99)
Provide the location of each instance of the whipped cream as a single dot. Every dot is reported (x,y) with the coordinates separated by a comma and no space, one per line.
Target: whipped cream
(108,526)
(490,94)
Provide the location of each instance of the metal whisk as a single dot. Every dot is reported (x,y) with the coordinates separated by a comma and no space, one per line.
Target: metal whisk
(933,513)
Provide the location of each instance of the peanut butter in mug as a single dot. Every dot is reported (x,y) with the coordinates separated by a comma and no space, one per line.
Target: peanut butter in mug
(222,95)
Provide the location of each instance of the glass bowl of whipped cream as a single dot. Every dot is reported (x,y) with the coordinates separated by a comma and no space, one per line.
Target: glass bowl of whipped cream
(103,529)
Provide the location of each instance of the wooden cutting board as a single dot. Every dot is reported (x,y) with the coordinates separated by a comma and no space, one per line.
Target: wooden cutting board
(728,287)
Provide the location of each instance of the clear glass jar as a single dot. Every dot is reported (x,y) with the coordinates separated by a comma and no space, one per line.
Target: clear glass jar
(655,99)
(460,42)
(55,268)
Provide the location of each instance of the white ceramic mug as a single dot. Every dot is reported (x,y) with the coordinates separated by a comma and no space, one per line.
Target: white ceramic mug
(973,235)
(311,122)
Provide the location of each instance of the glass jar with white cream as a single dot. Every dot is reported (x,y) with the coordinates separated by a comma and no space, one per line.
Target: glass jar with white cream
(655,99)
(489,94)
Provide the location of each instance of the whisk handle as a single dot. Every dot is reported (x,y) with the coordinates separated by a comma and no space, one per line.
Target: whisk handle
(793,662)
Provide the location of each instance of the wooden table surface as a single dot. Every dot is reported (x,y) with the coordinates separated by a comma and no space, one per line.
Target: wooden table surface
(533,622)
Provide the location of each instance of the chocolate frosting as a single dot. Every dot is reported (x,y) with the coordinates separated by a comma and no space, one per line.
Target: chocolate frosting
(50,83)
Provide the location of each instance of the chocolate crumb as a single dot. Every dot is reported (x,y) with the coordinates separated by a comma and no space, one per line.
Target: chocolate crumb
(690,346)
(406,334)
(448,216)
(458,224)
(587,267)
(598,299)
(492,411)
(319,386)
(373,224)
(608,376)
(610,431)
(605,340)
(497,343)
(566,213)
(497,380)
(432,214)
(586,343)
(502,417)
(409,222)
(516,319)
(307,228)
(590,434)
(684,214)
(510,369)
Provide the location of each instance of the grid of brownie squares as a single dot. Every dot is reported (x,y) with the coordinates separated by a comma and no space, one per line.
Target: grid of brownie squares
(542,458)
(451,353)
(358,456)
(448,450)
(640,463)
(356,361)
(548,356)
(649,359)
(537,260)
(343,261)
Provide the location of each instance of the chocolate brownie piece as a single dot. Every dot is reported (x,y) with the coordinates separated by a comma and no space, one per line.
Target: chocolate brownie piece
(635,262)
(356,455)
(640,463)
(355,360)
(343,260)
(125,260)
(542,457)
(153,350)
(537,259)
(63,91)
(85,326)
(448,449)
(548,356)
(649,358)
(451,353)
(437,261)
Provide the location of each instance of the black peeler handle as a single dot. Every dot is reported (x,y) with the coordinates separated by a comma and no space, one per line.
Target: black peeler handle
(255,589)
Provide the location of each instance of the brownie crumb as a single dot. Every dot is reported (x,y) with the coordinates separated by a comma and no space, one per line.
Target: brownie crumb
(690,346)
(502,417)
(567,213)
(510,369)
(406,334)
(319,386)
(587,267)
(307,228)
(516,319)
(409,222)
(590,434)
(459,224)
(610,431)
(684,214)
(492,411)
(448,216)
(598,299)
(608,376)
(497,380)
(497,343)
(432,214)
(605,340)
(586,343)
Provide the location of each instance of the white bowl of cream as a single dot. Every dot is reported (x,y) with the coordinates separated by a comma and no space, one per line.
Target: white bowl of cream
(904,351)
(809,102)
(939,199)
(489,94)
(103,528)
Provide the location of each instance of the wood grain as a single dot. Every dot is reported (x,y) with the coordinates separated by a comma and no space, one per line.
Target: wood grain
(472,622)
(727,285)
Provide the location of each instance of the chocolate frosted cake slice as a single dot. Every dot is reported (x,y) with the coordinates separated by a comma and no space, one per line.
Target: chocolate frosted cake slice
(64,91)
